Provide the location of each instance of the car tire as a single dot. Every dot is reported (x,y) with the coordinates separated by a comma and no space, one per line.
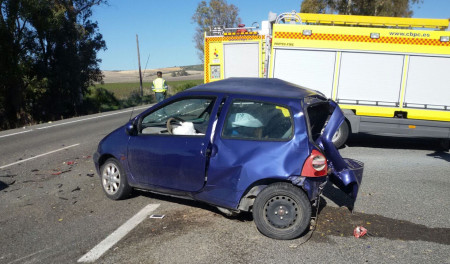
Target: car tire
(114,180)
(282,211)
(341,135)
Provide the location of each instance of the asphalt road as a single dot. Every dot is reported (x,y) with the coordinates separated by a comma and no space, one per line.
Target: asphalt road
(53,210)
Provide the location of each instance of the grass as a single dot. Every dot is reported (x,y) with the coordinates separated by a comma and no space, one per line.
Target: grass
(114,96)
(123,91)
(198,67)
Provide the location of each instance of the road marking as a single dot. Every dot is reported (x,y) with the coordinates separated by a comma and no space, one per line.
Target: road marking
(117,235)
(89,118)
(76,121)
(32,254)
(38,156)
(12,134)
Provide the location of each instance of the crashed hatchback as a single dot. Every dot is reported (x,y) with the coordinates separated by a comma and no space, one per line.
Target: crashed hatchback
(240,144)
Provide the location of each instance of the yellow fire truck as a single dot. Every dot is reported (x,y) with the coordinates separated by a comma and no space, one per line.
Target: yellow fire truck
(391,76)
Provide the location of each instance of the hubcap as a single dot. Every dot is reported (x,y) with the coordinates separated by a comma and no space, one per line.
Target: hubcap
(281,211)
(111,178)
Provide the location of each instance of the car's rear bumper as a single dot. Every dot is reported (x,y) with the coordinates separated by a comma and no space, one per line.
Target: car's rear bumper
(313,186)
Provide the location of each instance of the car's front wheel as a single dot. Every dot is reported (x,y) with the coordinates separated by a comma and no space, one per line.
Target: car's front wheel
(282,211)
(114,180)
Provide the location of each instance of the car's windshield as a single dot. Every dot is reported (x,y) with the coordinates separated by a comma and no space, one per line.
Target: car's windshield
(192,109)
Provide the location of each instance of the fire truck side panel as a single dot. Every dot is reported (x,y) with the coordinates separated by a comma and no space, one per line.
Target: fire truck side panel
(241,59)
(428,84)
(313,69)
(370,79)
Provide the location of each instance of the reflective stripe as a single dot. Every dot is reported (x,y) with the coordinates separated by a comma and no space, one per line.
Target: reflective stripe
(159,85)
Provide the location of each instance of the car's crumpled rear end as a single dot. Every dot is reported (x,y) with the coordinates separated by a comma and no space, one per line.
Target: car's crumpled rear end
(345,173)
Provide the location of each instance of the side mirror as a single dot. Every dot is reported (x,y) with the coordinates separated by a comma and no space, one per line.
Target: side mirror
(130,128)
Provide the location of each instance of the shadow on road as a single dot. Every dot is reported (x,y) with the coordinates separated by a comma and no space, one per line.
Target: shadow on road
(335,221)
(339,221)
(3,185)
(177,200)
(332,221)
(440,155)
(337,196)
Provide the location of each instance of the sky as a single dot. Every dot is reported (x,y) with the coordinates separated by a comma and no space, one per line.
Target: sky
(166,31)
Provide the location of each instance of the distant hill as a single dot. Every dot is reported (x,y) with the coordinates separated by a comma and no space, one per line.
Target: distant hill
(194,72)
(198,67)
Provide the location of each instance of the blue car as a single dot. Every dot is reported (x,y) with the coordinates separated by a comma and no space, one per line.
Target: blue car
(241,144)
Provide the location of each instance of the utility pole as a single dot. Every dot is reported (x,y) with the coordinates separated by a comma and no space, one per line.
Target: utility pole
(141,90)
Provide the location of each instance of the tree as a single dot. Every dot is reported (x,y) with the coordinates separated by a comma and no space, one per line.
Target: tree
(214,13)
(49,57)
(394,8)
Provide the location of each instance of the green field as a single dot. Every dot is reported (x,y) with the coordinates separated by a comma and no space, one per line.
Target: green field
(123,91)
(114,96)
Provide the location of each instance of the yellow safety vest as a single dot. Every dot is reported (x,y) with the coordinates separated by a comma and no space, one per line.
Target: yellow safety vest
(159,85)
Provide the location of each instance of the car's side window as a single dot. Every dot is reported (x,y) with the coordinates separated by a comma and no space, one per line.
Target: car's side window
(258,121)
(189,116)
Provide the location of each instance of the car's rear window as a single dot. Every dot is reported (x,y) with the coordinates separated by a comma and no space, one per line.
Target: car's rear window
(318,114)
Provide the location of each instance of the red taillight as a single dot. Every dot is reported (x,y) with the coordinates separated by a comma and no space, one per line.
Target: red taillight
(315,165)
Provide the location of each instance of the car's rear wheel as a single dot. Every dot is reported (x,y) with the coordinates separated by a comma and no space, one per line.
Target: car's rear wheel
(282,211)
(114,180)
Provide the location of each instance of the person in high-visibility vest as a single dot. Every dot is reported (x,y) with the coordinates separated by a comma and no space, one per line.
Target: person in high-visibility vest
(159,87)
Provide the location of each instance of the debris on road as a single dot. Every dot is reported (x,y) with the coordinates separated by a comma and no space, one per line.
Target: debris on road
(90,174)
(60,172)
(76,189)
(359,232)
(27,181)
(156,216)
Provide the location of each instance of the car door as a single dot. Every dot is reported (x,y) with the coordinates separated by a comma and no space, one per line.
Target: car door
(346,173)
(172,161)
(253,141)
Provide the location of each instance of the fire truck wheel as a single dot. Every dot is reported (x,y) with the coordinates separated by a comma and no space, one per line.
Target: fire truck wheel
(282,211)
(341,135)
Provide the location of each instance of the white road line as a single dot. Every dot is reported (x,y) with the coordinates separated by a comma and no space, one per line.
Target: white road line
(38,156)
(75,121)
(89,118)
(117,235)
(32,254)
(12,134)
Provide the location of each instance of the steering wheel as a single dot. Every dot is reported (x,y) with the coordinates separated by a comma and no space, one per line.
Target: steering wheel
(169,123)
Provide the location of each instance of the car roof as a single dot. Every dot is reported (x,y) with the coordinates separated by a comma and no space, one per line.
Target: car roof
(271,87)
